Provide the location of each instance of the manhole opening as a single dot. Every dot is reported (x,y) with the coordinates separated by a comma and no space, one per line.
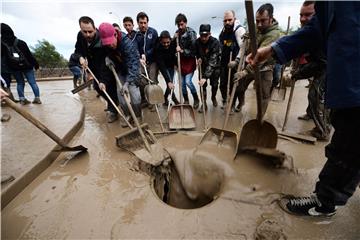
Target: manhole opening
(169,189)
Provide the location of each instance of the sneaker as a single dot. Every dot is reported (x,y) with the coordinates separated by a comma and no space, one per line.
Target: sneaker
(111,117)
(319,135)
(201,108)
(196,104)
(214,101)
(238,108)
(36,100)
(304,117)
(165,104)
(123,123)
(305,206)
(24,101)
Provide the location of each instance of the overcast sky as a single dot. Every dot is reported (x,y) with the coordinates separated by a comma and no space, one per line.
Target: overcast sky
(57,21)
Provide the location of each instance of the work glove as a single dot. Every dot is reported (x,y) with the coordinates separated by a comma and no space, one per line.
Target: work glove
(109,62)
(240,75)
(202,81)
(233,64)
(125,88)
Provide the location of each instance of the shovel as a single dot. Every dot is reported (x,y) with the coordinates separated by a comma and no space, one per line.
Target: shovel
(228,83)
(256,132)
(202,98)
(154,95)
(153,153)
(181,116)
(279,94)
(44,129)
(224,142)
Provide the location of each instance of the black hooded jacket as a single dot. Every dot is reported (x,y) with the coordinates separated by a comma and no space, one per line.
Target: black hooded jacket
(8,37)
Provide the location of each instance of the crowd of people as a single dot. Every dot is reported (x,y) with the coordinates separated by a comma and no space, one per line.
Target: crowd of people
(325,50)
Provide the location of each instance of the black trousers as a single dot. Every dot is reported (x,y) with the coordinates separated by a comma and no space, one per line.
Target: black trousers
(111,90)
(340,176)
(214,83)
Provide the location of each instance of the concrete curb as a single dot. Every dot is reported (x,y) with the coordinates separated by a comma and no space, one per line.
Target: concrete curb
(25,179)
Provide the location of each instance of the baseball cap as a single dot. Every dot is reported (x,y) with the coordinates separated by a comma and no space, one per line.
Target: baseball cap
(205,29)
(107,33)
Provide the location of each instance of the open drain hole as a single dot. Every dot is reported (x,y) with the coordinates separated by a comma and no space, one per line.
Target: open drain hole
(169,189)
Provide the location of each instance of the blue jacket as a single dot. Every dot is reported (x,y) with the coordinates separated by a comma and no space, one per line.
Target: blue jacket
(336,29)
(126,59)
(146,43)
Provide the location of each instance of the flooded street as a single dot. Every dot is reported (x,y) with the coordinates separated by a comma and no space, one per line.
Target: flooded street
(104,194)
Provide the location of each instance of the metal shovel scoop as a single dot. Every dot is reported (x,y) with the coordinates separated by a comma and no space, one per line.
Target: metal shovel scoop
(257,132)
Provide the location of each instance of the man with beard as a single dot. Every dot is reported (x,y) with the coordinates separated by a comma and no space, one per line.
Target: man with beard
(207,50)
(231,40)
(165,58)
(268,32)
(89,52)
(314,65)
(146,39)
(187,37)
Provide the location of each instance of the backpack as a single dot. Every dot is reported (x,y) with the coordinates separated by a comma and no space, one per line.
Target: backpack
(15,58)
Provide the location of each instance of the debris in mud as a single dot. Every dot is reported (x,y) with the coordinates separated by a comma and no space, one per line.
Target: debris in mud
(269,229)
(7,179)
(5,117)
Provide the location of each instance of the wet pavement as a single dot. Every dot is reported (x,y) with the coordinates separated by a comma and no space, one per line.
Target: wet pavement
(103,194)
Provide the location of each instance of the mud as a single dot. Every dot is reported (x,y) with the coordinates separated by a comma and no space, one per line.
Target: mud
(105,194)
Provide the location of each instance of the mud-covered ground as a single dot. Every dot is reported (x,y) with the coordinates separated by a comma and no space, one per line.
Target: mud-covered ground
(103,194)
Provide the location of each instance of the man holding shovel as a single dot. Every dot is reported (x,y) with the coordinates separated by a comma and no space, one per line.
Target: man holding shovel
(335,29)
(146,39)
(89,53)
(187,37)
(207,51)
(124,57)
(268,32)
(165,58)
(230,40)
(314,65)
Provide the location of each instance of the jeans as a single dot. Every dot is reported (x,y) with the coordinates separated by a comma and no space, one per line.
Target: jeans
(30,77)
(76,71)
(170,72)
(135,98)
(187,81)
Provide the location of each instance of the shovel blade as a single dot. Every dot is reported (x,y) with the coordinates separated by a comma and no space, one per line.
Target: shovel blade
(257,134)
(131,140)
(220,141)
(182,121)
(278,94)
(154,94)
(80,148)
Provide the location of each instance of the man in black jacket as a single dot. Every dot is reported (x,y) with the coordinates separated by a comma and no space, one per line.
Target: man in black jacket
(165,51)
(207,51)
(89,51)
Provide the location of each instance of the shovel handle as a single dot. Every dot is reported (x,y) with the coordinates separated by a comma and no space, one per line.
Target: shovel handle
(289,104)
(36,122)
(228,82)
(180,84)
(253,43)
(202,96)
(127,100)
(112,102)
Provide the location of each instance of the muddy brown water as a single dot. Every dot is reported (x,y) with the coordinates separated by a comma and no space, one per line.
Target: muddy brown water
(104,194)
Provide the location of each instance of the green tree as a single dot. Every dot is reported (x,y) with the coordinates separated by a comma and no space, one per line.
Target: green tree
(47,56)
